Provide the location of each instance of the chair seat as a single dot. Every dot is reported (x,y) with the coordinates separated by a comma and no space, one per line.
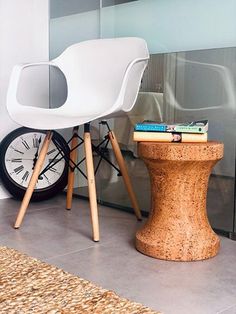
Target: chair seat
(56,118)
(48,119)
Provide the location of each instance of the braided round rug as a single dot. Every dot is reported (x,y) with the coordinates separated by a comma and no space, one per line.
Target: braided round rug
(28,285)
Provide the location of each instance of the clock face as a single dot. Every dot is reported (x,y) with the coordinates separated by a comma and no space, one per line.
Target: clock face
(21,156)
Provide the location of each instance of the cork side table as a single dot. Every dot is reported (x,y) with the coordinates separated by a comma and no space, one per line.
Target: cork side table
(177,228)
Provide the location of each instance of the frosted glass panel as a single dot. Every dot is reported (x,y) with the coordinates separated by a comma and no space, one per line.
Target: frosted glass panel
(106,3)
(67,30)
(60,8)
(170,26)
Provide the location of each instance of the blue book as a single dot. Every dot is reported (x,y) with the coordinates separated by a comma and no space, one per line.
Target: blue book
(152,127)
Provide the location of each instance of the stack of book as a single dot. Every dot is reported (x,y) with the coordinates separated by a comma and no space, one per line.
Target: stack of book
(195,131)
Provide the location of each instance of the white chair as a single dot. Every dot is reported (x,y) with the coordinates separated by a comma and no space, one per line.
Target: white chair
(103,78)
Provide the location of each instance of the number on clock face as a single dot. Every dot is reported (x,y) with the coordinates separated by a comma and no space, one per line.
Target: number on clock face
(22,154)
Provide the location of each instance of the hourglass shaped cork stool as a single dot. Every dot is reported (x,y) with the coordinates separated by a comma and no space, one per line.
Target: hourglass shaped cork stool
(178,228)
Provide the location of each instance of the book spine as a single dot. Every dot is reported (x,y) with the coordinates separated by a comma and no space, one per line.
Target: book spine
(152,136)
(169,137)
(189,129)
(150,127)
(193,137)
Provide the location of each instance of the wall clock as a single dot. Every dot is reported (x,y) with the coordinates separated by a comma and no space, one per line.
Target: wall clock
(18,154)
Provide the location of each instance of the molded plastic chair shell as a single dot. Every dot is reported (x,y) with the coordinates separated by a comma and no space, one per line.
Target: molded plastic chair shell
(103,78)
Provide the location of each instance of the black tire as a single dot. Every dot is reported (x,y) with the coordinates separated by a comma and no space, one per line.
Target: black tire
(16,189)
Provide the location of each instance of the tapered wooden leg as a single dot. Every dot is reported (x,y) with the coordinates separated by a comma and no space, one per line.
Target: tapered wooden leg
(71,173)
(91,185)
(33,180)
(124,172)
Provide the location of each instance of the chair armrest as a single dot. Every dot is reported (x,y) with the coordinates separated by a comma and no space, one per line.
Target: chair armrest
(15,79)
(127,76)
(129,67)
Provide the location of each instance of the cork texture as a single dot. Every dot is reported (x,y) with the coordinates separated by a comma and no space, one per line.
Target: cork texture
(178,228)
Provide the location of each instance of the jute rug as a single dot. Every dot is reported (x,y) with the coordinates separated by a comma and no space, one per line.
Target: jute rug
(28,285)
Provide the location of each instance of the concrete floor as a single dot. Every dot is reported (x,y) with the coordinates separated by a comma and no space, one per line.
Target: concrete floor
(63,238)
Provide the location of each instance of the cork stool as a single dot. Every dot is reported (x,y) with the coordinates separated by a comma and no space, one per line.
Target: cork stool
(177,228)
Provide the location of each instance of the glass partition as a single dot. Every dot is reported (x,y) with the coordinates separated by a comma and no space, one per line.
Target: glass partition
(205,87)
(172,25)
(182,87)
(194,83)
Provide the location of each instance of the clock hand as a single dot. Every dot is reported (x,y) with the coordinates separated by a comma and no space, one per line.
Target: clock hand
(18,159)
(37,153)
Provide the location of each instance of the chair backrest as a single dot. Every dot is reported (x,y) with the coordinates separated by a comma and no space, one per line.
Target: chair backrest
(96,74)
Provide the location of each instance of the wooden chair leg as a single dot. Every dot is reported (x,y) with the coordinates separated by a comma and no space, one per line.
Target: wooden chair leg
(33,180)
(71,172)
(124,172)
(91,185)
